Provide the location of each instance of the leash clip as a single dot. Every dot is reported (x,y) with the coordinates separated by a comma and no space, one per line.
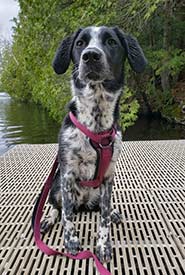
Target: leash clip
(102,146)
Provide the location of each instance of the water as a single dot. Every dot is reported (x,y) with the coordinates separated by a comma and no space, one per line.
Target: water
(24,123)
(154,128)
(28,123)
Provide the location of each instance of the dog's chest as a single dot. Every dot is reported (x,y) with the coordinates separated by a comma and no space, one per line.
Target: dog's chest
(87,162)
(96,108)
(80,155)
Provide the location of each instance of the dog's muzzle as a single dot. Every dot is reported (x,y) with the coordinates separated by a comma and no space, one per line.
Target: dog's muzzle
(92,64)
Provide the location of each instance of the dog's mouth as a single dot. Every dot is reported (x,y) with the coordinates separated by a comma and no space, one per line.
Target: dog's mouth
(92,76)
(91,73)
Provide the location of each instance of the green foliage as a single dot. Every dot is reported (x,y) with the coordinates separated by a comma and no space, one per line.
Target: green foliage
(129,107)
(160,28)
(158,25)
(173,60)
(133,15)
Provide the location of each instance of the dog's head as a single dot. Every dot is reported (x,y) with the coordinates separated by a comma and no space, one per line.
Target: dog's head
(98,54)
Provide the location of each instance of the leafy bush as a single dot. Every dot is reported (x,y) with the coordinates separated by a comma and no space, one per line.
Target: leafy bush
(129,107)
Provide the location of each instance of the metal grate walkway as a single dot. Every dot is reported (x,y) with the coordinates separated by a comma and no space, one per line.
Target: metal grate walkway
(149,190)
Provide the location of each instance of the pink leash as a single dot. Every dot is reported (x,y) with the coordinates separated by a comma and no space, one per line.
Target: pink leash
(36,227)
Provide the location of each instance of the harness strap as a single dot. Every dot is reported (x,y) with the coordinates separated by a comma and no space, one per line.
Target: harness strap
(105,157)
(103,143)
(98,138)
(37,215)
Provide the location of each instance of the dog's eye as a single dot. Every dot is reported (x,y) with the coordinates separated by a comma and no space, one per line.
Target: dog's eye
(80,43)
(111,42)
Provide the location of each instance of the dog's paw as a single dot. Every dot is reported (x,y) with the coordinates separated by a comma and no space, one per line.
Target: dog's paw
(116,216)
(104,251)
(72,245)
(49,221)
(45,226)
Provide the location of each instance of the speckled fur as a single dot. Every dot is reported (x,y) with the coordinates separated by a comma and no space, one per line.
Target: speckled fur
(96,88)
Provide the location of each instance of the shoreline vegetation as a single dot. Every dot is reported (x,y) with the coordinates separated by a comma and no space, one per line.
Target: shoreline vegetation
(29,123)
(26,71)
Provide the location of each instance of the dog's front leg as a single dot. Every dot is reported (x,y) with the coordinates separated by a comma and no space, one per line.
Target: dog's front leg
(71,241)
(104,249)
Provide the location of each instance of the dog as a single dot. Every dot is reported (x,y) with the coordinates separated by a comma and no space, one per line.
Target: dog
(98,55)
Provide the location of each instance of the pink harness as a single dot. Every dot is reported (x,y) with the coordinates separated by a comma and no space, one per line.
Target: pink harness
(103,142)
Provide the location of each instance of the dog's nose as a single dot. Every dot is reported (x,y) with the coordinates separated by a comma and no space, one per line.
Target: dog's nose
(91,55)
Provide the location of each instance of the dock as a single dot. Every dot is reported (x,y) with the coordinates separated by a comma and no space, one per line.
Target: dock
(149,191)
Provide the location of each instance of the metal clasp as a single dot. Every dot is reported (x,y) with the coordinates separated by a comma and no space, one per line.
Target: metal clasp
(106,146)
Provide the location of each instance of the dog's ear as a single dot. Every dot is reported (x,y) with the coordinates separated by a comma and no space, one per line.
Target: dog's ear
(134,52)
(62,57)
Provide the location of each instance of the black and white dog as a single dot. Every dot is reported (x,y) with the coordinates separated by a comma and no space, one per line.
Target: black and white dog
(98,55)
